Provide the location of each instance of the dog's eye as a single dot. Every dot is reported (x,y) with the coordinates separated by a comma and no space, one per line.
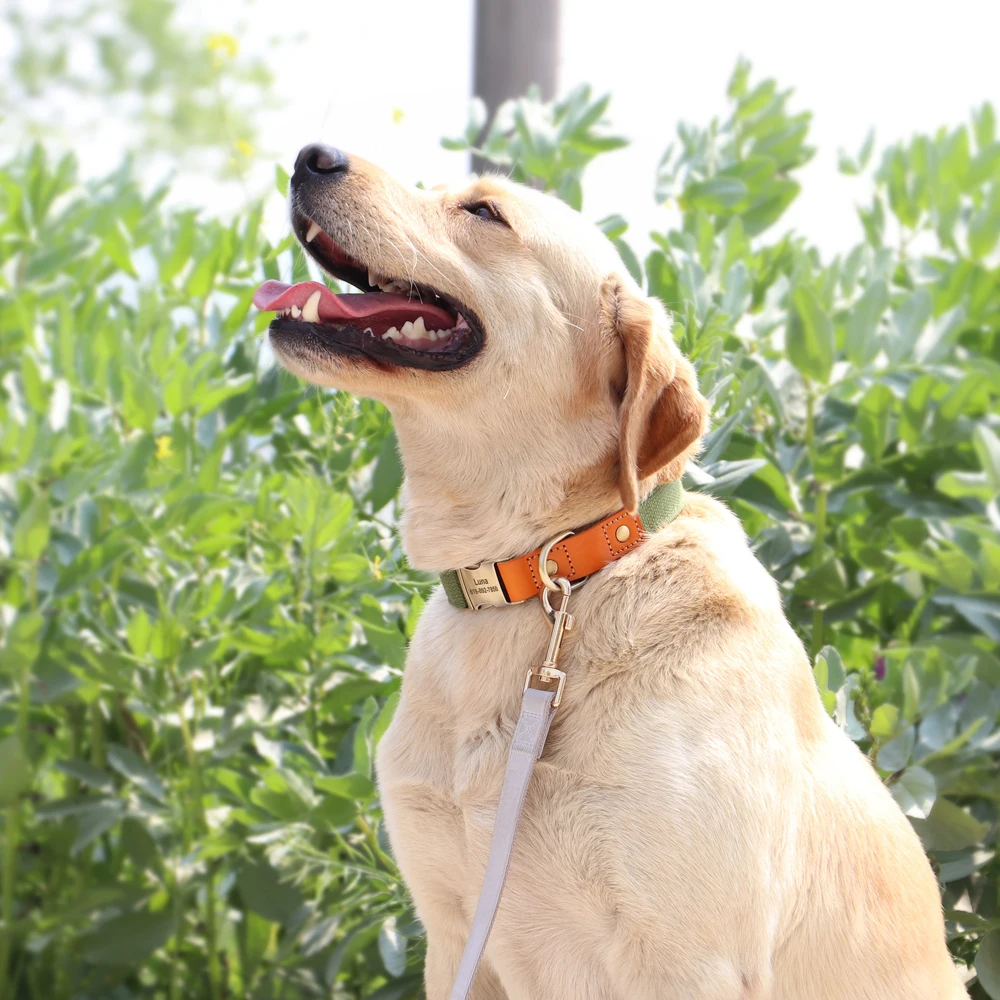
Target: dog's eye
(485,210)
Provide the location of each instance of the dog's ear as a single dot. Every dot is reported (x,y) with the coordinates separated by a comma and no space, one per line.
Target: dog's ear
(662,414)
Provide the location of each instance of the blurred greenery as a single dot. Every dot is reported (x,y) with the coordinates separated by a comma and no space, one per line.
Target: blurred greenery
(161,85)
(204,603)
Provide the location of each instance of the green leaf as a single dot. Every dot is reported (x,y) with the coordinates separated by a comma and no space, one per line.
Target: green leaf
(139,632)
(865,153)
(966,484)
(908,320)
(629,259)
(15,771)
(348,568)
(914,792)
(988,964)
(987,446)
(862,342)
(392,948)
(87,774)
(874,411)
(95,819)
(363,745)
(31,532)
(136,770)
(139,845)
(281,180)
(809,337)
(949,828)
(896,753)
(117,246)
(885,719)
(715,195)
(388,474)
(128,939)
(264,891)
(22,644)
(35,391)
(385,638)
(834,663)
(384,717)
(182,249)
(348,786)
(911,693)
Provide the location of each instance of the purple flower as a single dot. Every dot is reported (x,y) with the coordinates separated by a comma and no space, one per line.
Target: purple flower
(880,668)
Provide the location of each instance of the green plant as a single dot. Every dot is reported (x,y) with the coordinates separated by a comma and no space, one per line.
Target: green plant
(204,604)
(205,614)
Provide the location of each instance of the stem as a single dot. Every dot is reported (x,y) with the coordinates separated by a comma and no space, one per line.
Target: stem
(821,489)
(12,840)
(211,932)
(175,965)
(819,550)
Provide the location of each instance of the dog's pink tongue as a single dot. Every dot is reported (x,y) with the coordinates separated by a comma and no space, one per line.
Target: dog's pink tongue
(377,310)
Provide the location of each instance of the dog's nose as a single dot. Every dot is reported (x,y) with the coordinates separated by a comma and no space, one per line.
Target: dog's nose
(319,160)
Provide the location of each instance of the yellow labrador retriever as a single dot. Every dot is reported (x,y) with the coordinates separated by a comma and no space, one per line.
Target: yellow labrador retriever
(697,828)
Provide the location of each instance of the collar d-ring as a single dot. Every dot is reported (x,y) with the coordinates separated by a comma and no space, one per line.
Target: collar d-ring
(543,557)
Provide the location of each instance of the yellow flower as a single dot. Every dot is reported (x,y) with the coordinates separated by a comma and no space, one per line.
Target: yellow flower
(397,115)
(222,44)
(377,567)
(244,148)
(163,449)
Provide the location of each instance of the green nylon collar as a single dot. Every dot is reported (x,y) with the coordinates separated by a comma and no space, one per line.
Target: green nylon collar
(659,508)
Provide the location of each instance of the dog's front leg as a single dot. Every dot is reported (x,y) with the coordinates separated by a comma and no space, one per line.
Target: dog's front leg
(445,942)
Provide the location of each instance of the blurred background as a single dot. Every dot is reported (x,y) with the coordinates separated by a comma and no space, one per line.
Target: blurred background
(203,601)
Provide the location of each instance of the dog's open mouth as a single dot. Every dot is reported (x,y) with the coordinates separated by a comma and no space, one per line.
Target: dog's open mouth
(391,320)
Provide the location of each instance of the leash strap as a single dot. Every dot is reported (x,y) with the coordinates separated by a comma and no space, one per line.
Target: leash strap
(529,738)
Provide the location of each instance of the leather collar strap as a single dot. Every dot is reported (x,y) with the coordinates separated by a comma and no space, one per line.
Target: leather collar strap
(582,553)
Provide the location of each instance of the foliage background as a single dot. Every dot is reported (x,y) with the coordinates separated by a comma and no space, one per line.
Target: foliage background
(204,604)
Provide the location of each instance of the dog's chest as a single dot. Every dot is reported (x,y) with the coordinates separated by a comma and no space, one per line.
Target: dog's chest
(441,766)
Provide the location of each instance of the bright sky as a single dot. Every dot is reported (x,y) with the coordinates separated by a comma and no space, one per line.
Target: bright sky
(900,66)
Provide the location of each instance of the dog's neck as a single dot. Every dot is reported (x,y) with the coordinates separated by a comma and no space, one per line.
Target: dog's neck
(467,499)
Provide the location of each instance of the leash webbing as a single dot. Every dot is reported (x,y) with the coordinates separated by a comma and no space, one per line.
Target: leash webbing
(529,739)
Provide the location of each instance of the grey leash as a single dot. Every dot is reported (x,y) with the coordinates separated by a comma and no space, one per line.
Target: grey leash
(529,738)
(538,706)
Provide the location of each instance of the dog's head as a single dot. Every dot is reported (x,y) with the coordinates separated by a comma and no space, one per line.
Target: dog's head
(488,306)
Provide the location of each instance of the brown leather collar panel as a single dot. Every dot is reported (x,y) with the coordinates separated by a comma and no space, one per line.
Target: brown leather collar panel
(576,557)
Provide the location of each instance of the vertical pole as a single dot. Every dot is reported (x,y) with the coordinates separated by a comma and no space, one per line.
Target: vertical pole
(517,44)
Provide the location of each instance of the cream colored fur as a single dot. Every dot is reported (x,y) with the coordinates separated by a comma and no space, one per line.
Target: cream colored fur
(698,828)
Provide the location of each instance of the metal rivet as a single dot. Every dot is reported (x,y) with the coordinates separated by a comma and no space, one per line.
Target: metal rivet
(623,533)
(551,567)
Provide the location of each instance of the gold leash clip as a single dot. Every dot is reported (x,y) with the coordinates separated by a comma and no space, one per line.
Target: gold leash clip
(562,621)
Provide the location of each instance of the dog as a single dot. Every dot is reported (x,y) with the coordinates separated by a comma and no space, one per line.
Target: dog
(697,828)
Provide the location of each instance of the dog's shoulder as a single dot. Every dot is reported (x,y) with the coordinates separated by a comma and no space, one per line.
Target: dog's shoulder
(693,580)
(693,614)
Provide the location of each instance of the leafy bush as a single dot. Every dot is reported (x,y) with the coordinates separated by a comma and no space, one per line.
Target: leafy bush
(205,606)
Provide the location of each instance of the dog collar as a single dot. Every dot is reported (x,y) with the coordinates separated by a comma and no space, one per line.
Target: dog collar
(575,557)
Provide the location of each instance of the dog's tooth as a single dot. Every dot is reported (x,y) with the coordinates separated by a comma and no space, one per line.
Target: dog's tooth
(392,334)
(310,311)
(369,331)
(296,312)
(313,232)
(373,279)
(407,330)
(419,329)
(431,335)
